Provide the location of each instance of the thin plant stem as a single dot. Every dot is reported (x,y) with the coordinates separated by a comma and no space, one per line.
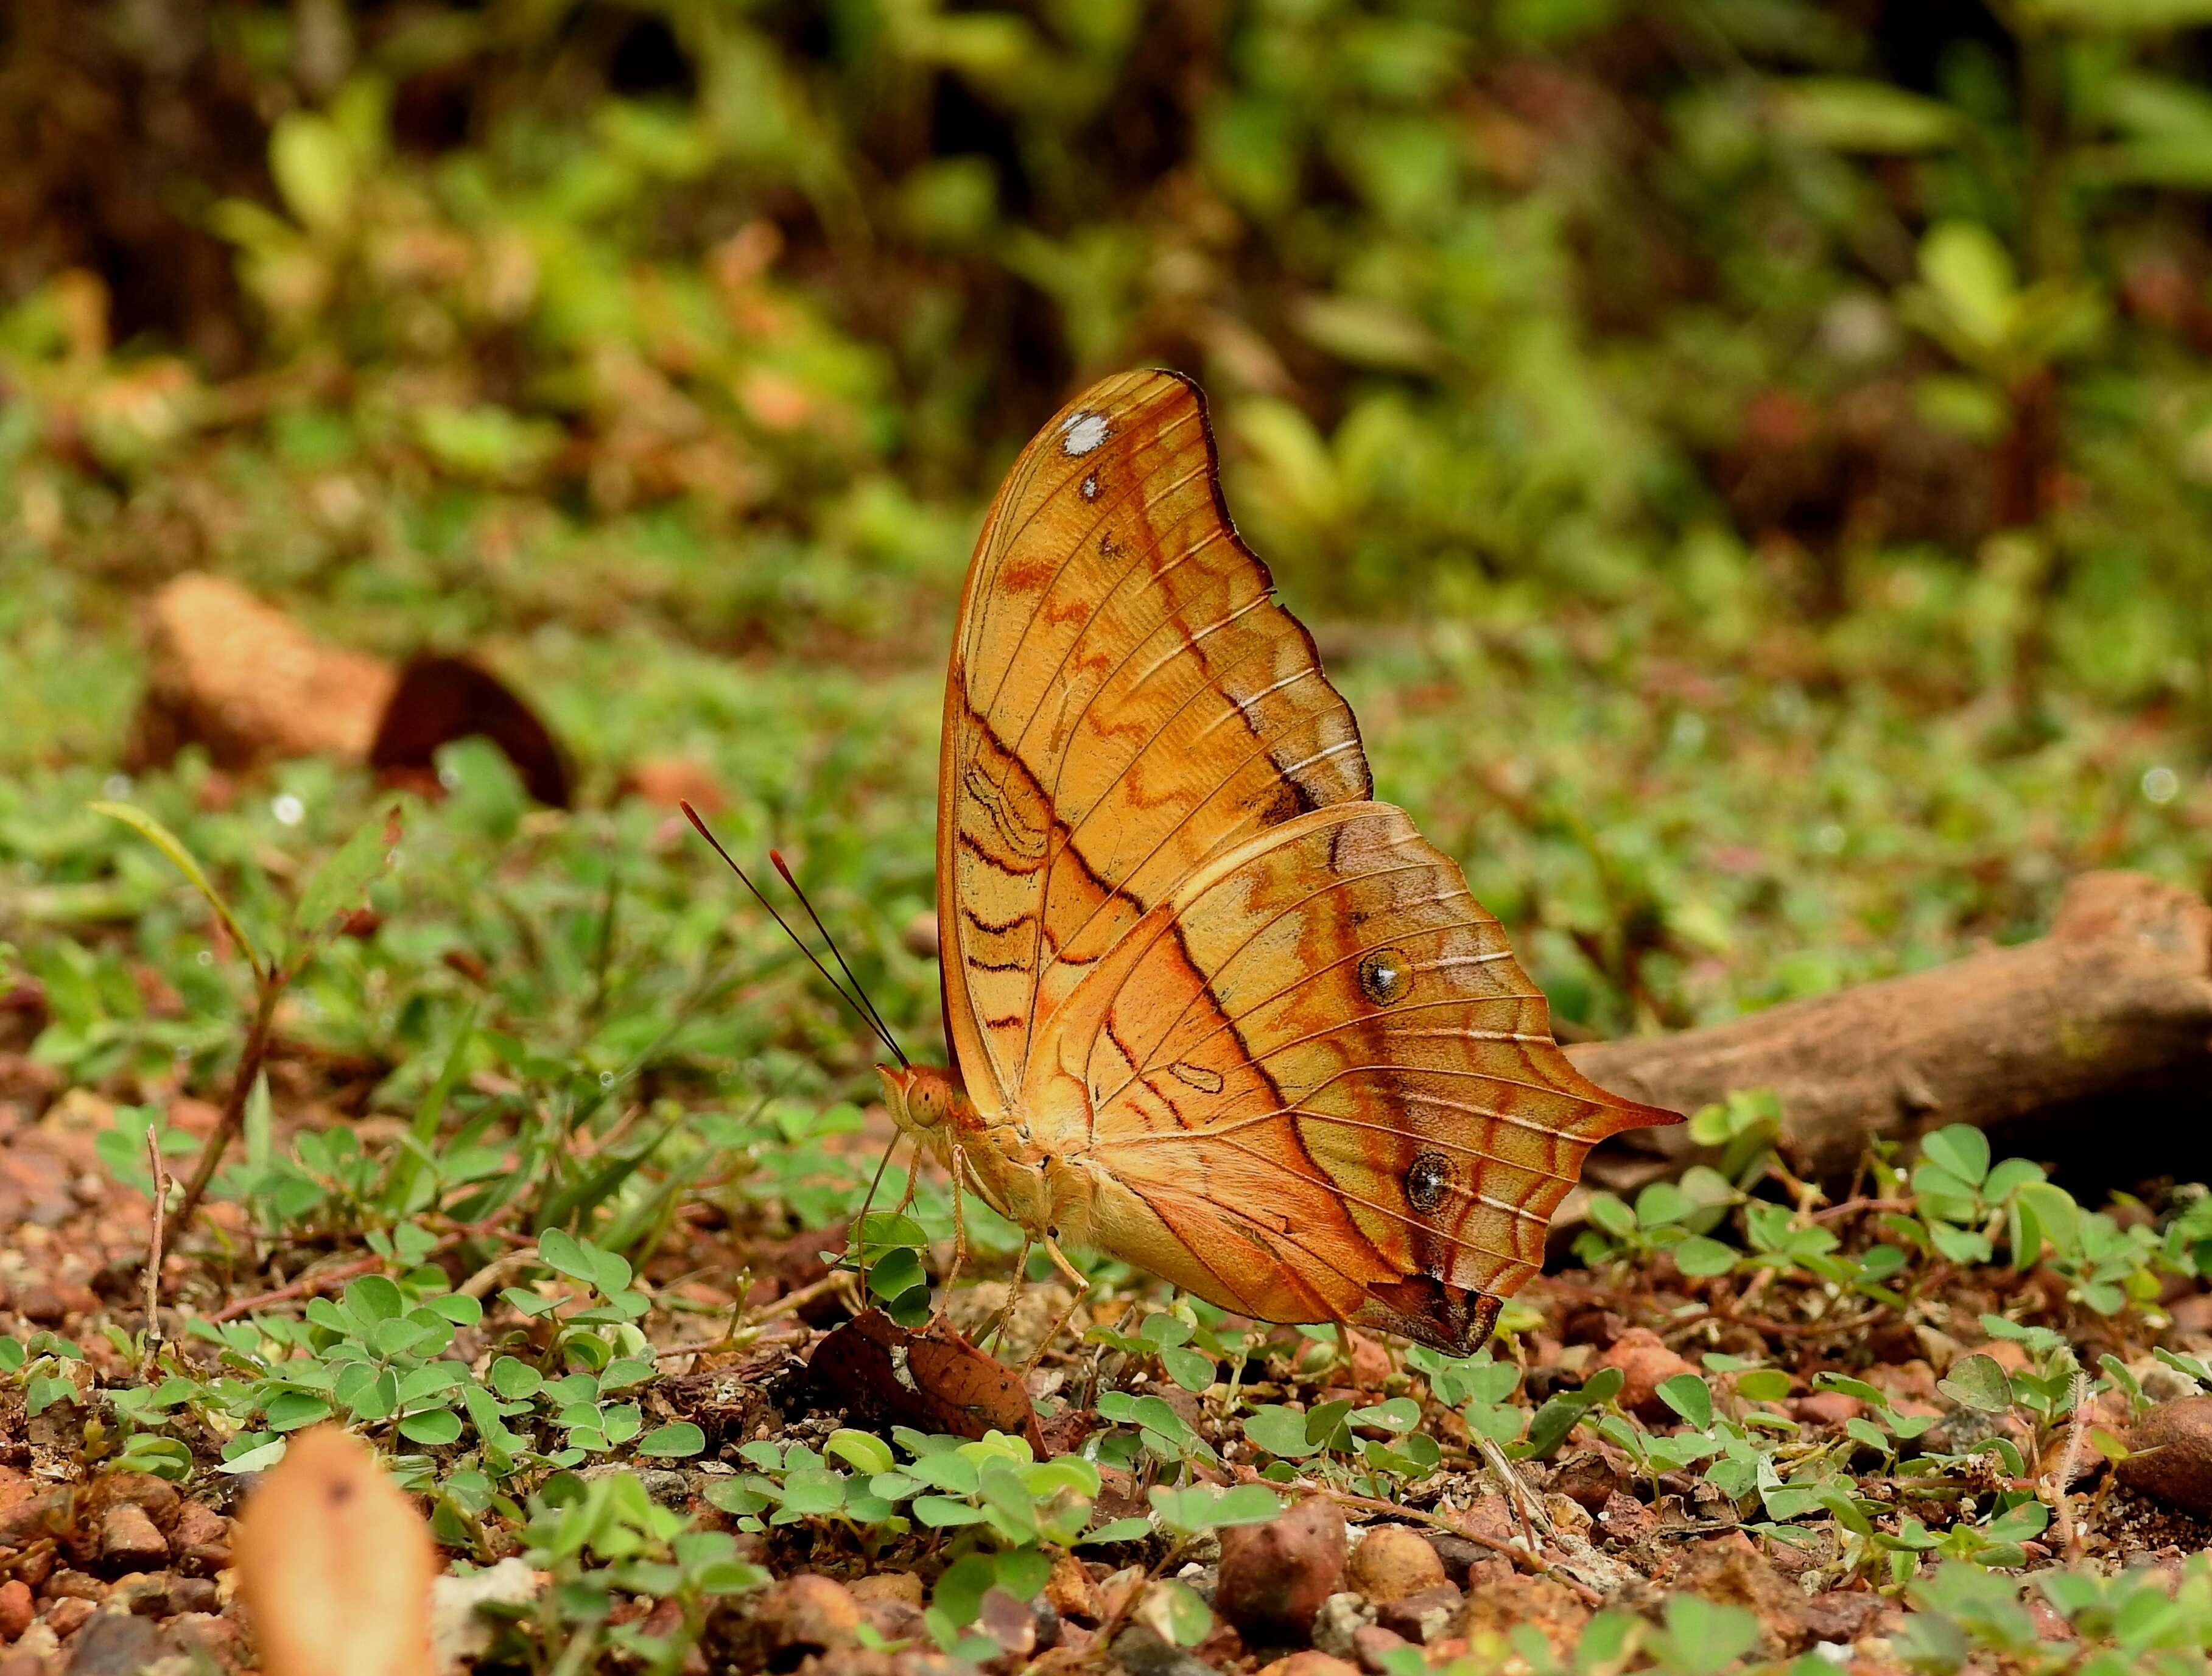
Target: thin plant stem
(233,1108)
(156,1246)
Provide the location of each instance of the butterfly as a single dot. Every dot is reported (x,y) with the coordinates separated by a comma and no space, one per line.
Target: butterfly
(1215,1010)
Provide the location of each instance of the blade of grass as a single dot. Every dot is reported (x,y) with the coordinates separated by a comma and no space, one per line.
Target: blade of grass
(422,1131)
(183,860)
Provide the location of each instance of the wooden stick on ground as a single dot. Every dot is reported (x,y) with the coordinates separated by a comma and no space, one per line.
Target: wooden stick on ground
(2099,1032)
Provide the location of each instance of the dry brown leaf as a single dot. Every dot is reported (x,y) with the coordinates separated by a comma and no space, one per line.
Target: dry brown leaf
(336,1565)
(933,1380)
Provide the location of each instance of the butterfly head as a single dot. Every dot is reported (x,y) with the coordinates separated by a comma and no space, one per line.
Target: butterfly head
(923,1099)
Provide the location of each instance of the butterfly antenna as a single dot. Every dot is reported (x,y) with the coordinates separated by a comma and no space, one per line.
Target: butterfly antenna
(883,1029)
(867,1015)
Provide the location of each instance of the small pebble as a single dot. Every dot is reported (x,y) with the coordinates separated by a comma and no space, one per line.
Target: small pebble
(1371,1647)
(1140,1652)
(1828,1408)
(1459,1556)
(41,1306)
(1071,1590)
(1007,1619)
(1308,1663)
(795,1619)
(142,1594)
(194,1594)
(1339,1616)
(16,1610)
(1588,1478)
(111,1644)
(1646,1364)
(2170,1455)
(143,1490)
(130,1541)
(888,1586)
(1391,1562)
(1422,1615)
(1275,1576)
(1625,1519)
(199,1525)
(66,1617)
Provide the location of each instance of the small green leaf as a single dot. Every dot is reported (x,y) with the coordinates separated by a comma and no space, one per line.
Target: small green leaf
(895,1273)
(1702,1257)
(1280,1430)
(1690,1397)
(1173,1612)
(1978,1381)
(1845,114)
(564,1254)
(373,1298)
(862,1451)
(513,1380)
(1961,1148)
(1189,1368)
(1763,1385)
(942,1512)
(257,1460)
(676,1443)
(1660,1204)
(435,1427)
(341,885)
(1705,1635)
(1132,1529)
(290,1410)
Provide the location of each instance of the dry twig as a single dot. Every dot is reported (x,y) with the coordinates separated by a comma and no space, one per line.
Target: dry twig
(155,1245)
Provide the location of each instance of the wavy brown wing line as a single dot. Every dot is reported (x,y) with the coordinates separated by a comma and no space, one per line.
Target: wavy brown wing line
(1236,832)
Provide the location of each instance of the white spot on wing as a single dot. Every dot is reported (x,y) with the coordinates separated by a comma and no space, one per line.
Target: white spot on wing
(1090,487)
(1079,433)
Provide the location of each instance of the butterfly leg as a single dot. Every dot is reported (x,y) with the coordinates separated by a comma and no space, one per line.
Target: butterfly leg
(913,1178)
(1078,1283)
(1000,1322)
(959,1161)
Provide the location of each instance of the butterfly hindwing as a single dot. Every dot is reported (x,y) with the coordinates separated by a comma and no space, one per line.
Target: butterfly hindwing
(1323,1038)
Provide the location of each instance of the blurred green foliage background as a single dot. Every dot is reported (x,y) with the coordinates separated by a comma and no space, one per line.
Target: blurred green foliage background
(1748,461)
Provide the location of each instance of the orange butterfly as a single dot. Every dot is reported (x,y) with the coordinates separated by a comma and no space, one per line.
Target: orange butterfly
(1215,1011)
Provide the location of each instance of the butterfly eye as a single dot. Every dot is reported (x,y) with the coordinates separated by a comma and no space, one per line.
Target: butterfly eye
(1428,1178)
(1384,976)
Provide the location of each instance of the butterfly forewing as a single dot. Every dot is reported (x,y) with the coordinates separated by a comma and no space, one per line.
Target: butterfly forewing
(1126,699)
